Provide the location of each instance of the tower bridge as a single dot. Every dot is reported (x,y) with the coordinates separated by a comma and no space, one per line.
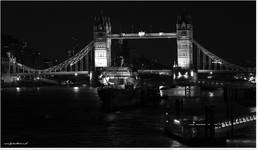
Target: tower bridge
(97,54)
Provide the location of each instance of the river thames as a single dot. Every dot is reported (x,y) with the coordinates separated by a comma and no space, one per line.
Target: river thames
(72,117)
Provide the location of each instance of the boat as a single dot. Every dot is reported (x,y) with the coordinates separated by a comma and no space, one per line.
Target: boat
(121,88)
(196,131)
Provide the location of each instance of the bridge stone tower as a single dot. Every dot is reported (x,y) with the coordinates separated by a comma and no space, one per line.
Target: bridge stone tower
(102,44)
(184,42)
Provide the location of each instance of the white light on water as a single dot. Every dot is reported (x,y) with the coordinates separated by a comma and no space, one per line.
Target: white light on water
(76,74)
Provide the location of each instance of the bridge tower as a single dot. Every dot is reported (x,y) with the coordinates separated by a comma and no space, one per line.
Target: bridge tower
(184,42)
(102,44)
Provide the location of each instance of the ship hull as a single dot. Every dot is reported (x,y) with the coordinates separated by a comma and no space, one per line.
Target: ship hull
(114,99)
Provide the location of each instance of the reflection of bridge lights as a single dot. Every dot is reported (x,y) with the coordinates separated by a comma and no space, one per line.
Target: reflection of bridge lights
(76,89)
(18,89)
(76,74)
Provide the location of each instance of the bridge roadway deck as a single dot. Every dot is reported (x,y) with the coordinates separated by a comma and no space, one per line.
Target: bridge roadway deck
(142,35)
(54,73)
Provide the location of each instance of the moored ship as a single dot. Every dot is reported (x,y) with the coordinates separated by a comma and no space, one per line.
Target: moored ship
(121,88)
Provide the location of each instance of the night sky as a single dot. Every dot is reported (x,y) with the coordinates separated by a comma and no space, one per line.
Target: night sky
(227,29)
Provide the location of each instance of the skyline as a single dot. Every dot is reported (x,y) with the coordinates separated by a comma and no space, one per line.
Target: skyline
(42,23)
